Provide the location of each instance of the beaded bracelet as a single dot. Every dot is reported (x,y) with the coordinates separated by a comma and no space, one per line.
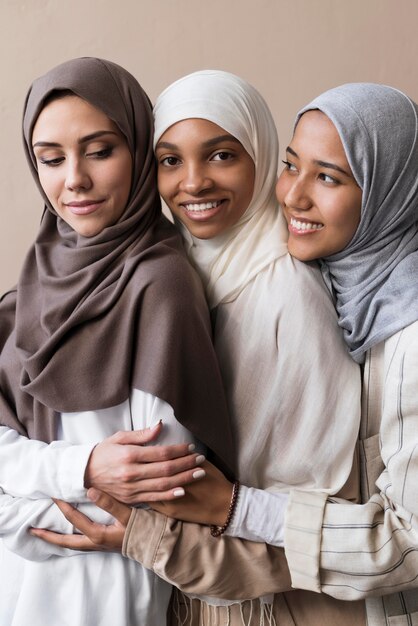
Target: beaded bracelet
(217,531)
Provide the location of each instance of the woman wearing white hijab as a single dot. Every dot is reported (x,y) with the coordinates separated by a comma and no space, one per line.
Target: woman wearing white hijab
(290,388)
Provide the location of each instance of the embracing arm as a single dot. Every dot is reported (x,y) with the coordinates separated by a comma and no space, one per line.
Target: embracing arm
(119,464)
(19,515)
(187,556)
(353,551)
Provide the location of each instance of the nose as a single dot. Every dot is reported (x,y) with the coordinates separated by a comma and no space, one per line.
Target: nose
(196,179)
(76,175)
(293,192)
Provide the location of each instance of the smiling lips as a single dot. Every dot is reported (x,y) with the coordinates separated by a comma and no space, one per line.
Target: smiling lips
(84,207)
(303,228)
(201,211)
(201,206)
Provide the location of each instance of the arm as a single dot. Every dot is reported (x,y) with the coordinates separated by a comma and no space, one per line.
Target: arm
(120,464)
(353,551)
(18,515)
(185,555)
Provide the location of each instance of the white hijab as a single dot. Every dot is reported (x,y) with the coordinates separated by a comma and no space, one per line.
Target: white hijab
(228,262)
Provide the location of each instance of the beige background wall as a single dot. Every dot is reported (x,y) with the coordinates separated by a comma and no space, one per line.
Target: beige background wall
(291,50)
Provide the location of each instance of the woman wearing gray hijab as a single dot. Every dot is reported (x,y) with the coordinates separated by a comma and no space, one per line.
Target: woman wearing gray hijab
(366,135)
(102,334)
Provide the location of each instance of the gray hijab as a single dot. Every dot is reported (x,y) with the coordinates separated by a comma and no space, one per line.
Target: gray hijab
(375,278)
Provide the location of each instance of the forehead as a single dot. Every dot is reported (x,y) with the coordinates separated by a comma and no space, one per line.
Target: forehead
(315,134)
(194,129)
(70,114)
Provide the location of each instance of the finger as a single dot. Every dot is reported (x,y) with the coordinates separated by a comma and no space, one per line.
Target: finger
(74,542)
(83,523)
(119,511)
(158,454)
(137,437)
(167,488)
(136,472)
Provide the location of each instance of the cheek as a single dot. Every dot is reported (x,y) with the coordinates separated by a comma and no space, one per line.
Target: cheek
(281,189)
(166,186)
(50,183)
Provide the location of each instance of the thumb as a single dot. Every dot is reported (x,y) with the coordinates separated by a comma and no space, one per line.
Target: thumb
(138,437)
(120,511)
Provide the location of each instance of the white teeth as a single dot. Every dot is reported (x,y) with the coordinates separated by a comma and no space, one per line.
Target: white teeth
(305,225)
(202,206)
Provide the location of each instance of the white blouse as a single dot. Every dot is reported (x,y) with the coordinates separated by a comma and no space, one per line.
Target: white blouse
(38,585)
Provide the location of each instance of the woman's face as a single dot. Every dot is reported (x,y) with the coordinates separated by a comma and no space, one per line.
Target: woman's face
(84,164)
(205,176)
(317,191)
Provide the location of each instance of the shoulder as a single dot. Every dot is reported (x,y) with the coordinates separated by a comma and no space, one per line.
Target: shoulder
(302,288)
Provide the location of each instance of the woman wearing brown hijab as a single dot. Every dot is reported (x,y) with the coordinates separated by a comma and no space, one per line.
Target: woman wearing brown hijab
(106,331)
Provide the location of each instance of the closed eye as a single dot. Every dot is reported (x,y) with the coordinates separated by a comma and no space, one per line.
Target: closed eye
(100,154)
(51,162)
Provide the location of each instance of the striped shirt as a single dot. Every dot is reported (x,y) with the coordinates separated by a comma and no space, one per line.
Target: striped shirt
(370,550)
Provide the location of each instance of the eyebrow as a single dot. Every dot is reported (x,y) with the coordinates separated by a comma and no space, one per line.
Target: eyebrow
(206,144)
(331,166)
(91,137)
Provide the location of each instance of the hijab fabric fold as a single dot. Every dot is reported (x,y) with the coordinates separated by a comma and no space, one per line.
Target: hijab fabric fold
(228,262)
(97,316)
(375,277)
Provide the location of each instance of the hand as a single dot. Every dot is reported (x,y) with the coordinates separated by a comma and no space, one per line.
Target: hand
(131,472)
(206,502)
(95,536)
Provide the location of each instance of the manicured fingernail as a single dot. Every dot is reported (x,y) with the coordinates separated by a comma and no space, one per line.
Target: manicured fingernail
(199,473)
(200,459)
(157,424)
(178,492)
(191,447)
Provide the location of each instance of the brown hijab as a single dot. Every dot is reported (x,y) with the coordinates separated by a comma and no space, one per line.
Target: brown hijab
(94,317)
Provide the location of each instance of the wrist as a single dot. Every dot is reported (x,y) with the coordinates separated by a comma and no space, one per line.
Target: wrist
(217,530)
(88,472)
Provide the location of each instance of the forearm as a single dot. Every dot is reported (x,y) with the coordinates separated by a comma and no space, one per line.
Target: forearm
(259,516)
(349,551)
(19,515)
(187,556)
(34,469)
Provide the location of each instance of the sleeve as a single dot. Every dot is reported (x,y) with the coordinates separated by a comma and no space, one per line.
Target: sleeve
(54,470)
(187,556)
(354,551)
(259,516)
(18,515)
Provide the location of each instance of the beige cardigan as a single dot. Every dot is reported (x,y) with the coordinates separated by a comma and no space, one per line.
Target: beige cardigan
(290,387)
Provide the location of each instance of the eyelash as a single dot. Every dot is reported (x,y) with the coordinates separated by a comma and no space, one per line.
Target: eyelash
(99,154)
(322,175)
(229,155)
(165,160)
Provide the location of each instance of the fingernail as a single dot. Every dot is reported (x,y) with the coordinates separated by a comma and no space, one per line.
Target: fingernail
(200,459)
(178,492)
(157,424)
(199,473)
(191,447)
